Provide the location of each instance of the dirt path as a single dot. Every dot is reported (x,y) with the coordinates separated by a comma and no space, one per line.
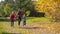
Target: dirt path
(38,28)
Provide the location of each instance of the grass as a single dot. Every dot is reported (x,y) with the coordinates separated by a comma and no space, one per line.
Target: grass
(35,25)
(2,28)
(38,19)
(29,19)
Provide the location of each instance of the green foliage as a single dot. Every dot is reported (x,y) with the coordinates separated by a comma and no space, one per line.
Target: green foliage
(4,33)
(24,5)
(7,9)
(28,13)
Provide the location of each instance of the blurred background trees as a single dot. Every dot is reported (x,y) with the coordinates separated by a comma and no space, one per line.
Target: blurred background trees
(44,8)
(9,5)
(51,8)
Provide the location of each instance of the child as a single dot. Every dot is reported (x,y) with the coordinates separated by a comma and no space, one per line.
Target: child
(24,20)
(12,18)
(19,15)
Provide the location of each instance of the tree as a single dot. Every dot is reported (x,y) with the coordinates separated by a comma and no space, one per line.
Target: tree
(25,5)
(7,9)
(49,7)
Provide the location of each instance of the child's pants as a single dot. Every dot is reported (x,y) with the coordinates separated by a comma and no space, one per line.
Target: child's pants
(19,20)
(24,21)
(12,22)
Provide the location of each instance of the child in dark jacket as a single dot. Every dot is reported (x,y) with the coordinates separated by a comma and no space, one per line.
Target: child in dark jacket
(12,16)
(19,15)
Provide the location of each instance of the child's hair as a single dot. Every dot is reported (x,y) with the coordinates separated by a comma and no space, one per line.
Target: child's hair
(12,12)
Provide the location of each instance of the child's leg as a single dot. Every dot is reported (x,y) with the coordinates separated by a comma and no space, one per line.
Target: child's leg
(19,20)
(24,23)
(12,23)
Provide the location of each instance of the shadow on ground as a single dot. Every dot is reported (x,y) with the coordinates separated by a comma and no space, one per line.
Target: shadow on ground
(29,27)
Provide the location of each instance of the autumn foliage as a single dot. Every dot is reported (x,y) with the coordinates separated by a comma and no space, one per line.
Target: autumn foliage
(49,7)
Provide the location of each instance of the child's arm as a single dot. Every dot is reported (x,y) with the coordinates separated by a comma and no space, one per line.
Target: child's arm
(16,15)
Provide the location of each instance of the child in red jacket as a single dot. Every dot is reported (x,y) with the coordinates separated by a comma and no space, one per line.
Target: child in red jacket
(12,16)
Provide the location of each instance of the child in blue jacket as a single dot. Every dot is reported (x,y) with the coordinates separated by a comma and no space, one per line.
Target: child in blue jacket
(24,19)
